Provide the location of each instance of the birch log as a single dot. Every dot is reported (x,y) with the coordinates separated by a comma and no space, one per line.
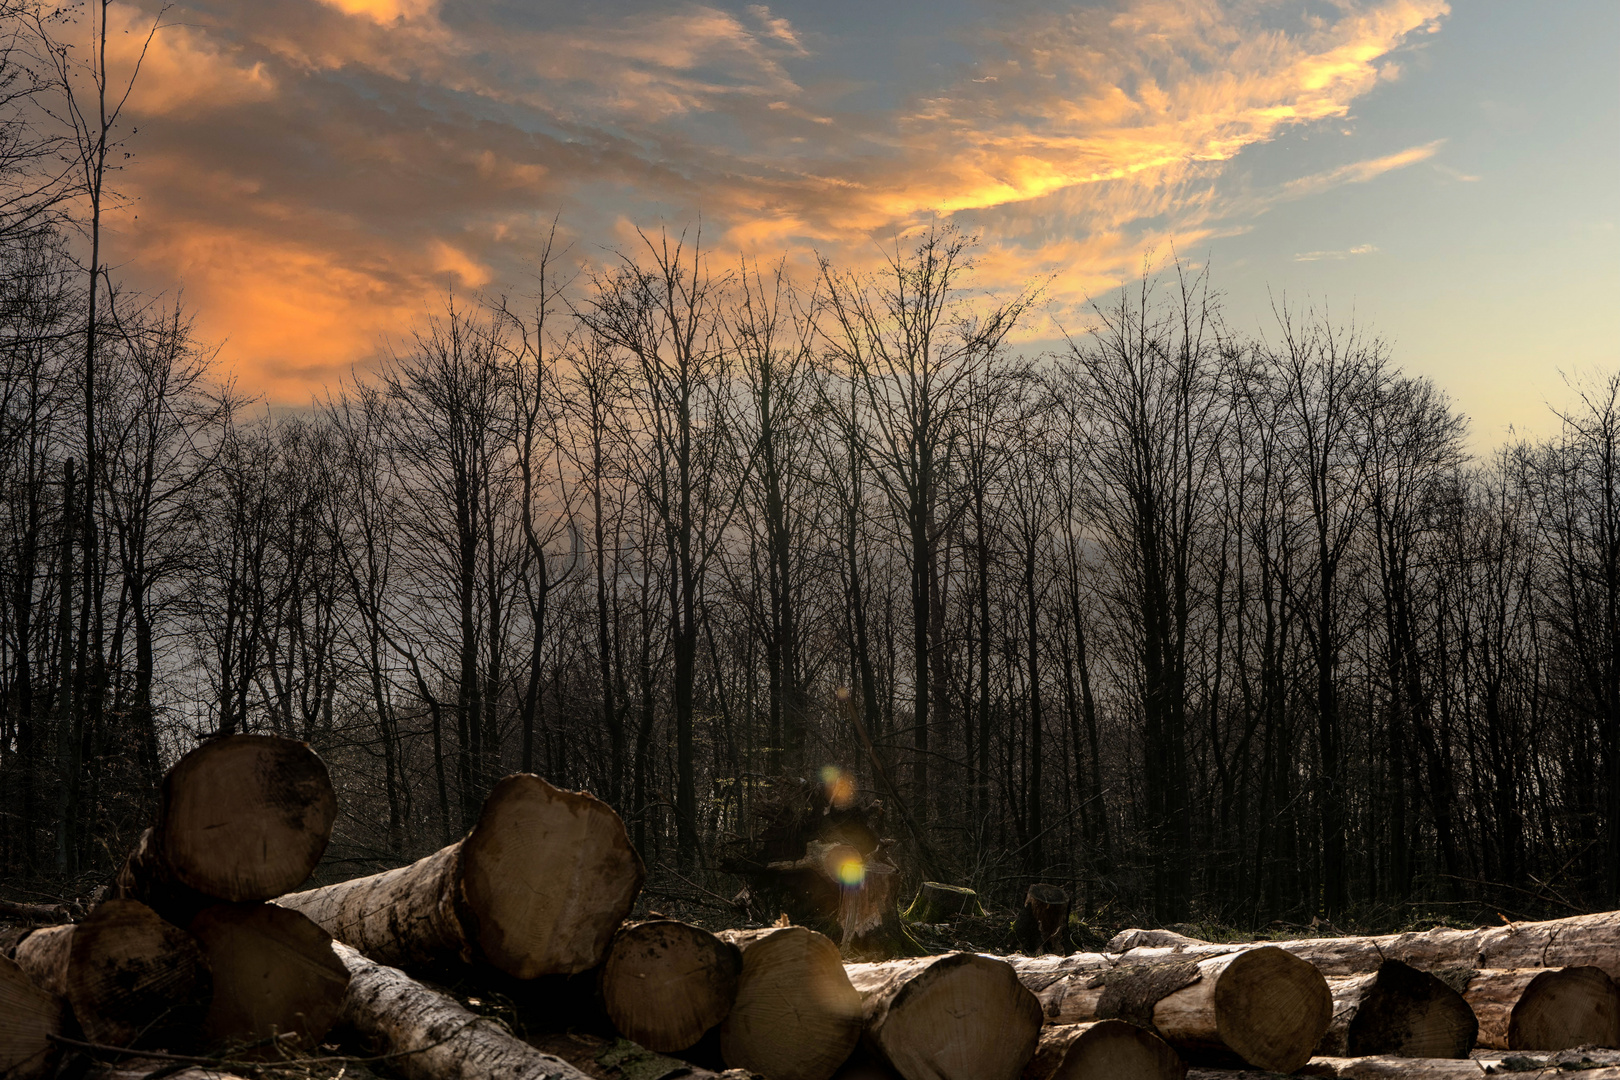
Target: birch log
(29,1017)
(243,818)
(129,977)
(1545,1008)
(537,888)
(796,1016)
(1397,1011)
(955,1017)
(1103,1050)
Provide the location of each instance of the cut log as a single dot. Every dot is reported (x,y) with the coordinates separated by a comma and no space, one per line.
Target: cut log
(665,983)
(1263,1005)
(937,903)
(30,1017)
(130,977)
(796,1016)
(1578,941)
(243,818)
(275,976)
(537,888)
(430,1036)
(1042,925)
(1545,1008)
(953,1017)
(1397,1011)
(1103,1050)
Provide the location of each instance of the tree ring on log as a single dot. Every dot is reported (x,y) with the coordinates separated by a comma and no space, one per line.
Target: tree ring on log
(1264,998)
(665,983)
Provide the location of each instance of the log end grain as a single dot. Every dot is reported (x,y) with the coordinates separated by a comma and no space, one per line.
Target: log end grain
(275,973)
(1410,1013)
(547,876)
(134,979)
(29,1017)
(1573,1006)
(796,1016)
(246,817)
(1109,1049)
(1271,1008)
(665,983)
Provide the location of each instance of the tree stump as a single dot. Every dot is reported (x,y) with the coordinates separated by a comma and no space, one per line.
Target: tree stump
(796,1016)
(29,1017)
(936,902)
(1110,1049)
(665,983)
(1042,925)
(1545,1008)
(129,977)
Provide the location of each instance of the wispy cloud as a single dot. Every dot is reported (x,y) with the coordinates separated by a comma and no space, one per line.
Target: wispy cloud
(1315,256)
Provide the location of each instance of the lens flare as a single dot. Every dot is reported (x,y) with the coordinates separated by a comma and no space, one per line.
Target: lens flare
(851,872)
(839,784)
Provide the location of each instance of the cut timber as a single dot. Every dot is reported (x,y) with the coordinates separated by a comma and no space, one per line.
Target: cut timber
(665,983)
(1042,925)
(243,818)
(29,1017)
(1578,941)
(953,1017)
(937,903)
(1264,1005)
(1397,1011)
(796,1016)
(275,975)
(150,1068)
(130,977)
(1103,1050)
(429,1036)
(1545,1008)
(537,888)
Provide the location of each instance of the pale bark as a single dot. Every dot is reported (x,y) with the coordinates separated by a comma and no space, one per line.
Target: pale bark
(796,1016)
(665,983)
(538,887)
(955,1017)
(1545,1008)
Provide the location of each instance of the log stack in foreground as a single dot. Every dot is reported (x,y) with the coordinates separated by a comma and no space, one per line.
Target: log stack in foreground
(537,888)
(1546,1008)
(665,983)
(1397,1011)
(275,973)
(30,1017)
(796,1016)
(129,977)
(955,1017)
(1103,1050)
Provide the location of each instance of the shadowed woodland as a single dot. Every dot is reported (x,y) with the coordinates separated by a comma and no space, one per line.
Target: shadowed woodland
(1202,615)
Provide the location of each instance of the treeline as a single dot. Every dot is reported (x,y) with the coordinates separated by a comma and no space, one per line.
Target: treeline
(1196,621)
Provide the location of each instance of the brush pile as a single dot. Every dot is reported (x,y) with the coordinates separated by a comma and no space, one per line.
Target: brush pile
(205,957)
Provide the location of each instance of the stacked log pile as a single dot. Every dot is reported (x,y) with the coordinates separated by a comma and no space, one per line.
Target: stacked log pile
(203,957)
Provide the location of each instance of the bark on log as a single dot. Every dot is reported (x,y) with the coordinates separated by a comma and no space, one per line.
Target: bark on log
(1042,925)
(130,977)
(242,819)
(1397,1011)
(936,903)
(1593,1064)
(1103,1050)
(432,1036)
(955,1017)
(1578,941)
(796,1016)
(1265,1006)
(538,887)
(29,1017)
(275,975)
(665,983)
(146,1070)
(1545,1008)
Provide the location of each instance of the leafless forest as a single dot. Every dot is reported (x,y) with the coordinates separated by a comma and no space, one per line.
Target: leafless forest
(1203,615)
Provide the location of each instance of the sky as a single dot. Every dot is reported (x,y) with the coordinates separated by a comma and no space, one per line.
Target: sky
(313,176)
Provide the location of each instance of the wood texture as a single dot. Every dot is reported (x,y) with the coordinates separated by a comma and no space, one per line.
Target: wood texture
(796,1016)
(537,888)
(29,1017)
(1398,1011)
(665,983)
(275,976)
(1103,1050)
(243,818)
(129,977)
(1545,1008)
(960,1016)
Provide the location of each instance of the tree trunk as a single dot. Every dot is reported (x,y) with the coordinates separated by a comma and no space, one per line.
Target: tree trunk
(665,983)
(243,818)
(1545,1008)
(275,977)
(796,1016)
(1262,1005)
(538,887)
(1578,941)
(431,1036)
(1398,1011)
(126,974)
(29,1017)
(937,903)
(1042,925)
(1110,1049)
(955,1017)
